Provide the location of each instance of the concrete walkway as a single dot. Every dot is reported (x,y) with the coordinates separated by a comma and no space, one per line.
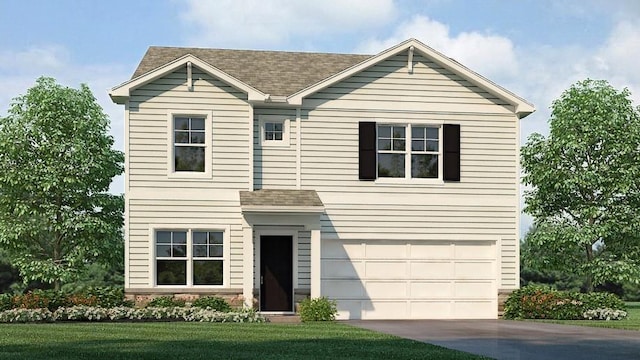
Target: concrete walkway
(504,339)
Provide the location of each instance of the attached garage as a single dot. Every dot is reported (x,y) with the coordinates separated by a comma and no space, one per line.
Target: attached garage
(375,279)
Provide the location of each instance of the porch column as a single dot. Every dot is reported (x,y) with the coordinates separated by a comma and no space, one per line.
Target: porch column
(315,263)
(247,265)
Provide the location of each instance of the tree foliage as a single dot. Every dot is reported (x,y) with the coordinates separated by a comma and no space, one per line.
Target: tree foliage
(56,165)
(585,179)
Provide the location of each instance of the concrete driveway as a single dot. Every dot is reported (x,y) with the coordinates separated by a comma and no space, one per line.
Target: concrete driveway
(504,339)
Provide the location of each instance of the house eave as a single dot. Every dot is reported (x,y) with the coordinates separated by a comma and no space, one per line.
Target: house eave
(254,209)
(120,94)
(521,106)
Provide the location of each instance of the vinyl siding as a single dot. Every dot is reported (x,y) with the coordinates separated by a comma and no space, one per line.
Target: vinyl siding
(481,207)
(157,198)
(274,166)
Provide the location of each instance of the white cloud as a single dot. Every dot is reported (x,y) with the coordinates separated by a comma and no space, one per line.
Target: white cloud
(26,65)
(488,54)
(264,23)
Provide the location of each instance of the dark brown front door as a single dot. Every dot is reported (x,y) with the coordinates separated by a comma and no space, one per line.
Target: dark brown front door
(276,270)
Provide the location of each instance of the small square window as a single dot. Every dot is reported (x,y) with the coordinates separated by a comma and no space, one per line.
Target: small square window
(274,131)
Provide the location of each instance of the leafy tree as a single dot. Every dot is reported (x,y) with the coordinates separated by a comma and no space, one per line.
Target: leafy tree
(585,179)
(56,165)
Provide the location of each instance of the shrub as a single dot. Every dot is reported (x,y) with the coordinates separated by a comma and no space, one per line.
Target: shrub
(40,299)
(6,302)
(318,309)
(166,301)
(604,314)
(91,313)
(111,296)
(542,302)
(23,315)
(212,303)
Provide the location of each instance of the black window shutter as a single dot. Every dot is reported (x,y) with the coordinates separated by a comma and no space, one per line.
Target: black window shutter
(367,147)
(451,165)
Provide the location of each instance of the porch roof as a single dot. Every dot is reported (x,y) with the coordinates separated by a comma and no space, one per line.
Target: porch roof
(270,200)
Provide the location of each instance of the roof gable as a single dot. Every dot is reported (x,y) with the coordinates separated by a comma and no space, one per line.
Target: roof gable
(292,76)
(271,72)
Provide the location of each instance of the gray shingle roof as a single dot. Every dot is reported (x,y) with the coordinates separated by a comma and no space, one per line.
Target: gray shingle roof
(280,198)
(277,73)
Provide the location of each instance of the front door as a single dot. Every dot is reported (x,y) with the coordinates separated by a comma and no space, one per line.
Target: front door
(276,273)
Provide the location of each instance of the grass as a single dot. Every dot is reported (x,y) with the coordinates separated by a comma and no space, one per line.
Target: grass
(175,340)
(632,322)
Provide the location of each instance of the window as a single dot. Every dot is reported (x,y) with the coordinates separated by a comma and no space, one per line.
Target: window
(189,257)
(413,157)
(189,144)
(274,130)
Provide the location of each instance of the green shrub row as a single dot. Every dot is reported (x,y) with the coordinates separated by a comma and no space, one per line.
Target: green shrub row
(206,302)
(317,309)
(51,299)
(543,302)
(91,313)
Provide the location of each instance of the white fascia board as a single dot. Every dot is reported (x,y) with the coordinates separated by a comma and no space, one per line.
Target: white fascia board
(283,209)
(522,107)
(120,93)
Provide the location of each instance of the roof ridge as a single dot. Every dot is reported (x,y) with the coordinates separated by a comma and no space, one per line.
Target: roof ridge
(254,51)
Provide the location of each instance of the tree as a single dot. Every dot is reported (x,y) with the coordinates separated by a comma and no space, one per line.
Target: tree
(56,165)
(585,179)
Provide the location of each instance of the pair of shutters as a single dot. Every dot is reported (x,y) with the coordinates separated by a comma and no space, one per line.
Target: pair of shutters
(451,156)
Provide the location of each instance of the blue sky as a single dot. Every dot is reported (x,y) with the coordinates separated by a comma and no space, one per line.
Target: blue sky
(536,48)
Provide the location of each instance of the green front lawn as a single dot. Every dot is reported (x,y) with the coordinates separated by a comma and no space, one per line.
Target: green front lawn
(176,340)
(632,322)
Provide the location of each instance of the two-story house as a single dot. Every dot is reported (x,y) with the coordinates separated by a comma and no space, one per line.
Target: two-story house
(387,182)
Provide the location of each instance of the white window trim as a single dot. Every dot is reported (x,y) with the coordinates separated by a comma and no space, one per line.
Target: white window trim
(286,130)
(407,179)
(190,228)
(208,128)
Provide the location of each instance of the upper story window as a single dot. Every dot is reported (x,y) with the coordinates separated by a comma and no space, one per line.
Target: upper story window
(408,151)
(190,144)
(274,130)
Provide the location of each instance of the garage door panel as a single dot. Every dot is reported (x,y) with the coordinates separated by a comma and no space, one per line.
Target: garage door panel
(337,249)
(473,290)
(430,310)
(474,250)
(432,289)
(467,270)
(343,289)
(431,270)
(386,269)
(342,269)
(349,309)
(433,250)
(386,250)
(384,310)
(386,290)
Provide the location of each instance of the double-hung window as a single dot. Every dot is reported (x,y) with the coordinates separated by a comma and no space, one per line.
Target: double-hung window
(408,151)
(189,151)
(189,257)
(189,143)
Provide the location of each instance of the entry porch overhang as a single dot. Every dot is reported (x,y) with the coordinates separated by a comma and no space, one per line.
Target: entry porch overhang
(280,208)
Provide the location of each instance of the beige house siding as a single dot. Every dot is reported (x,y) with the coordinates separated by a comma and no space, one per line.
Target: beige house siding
(274,166)
(155,197)
(481,207)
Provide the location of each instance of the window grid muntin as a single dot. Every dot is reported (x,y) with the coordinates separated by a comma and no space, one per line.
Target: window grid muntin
(274,131)
(189,137)
(190,260)
(428,132)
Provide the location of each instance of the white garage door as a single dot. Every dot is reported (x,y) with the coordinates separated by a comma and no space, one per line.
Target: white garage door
(411,280)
